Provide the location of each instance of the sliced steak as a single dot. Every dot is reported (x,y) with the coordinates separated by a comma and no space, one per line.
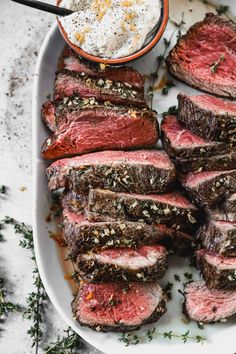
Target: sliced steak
(219,236)
(205,57)
(209,117)
(118,307)
(208,305)
(147,263)
(69,83)
(230,204)
(123,74)
(105,129)
(181,143)
(140,171)
(209,188)
(48,113)
(82,235)
(218,272)
(221,215)
(75,203)
(171,209)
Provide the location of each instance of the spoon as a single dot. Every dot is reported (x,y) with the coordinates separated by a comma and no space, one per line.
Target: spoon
(60,11)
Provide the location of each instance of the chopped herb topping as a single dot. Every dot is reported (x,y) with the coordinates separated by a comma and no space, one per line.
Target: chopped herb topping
(214,66)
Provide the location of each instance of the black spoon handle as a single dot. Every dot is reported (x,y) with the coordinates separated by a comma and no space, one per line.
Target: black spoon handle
(60,11)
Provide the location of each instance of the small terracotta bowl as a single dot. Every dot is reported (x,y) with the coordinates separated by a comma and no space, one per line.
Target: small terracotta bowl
(156,37)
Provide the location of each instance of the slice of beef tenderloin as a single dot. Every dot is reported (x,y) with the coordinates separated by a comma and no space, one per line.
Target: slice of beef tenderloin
(104,128)
(210,188)
(146,263)
(200,60)
(229,205)
(208,305)
(218,272)
(69,83)
(209,117)
(219,237)
(74,202)
(140,171)
(118,307)
(172,209)
(191,153)
(82,235)
(59,114)
(123,73)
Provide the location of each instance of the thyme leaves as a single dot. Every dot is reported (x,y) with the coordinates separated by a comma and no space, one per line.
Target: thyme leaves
(64,344)
(6,306)
(134,339)
(214,66)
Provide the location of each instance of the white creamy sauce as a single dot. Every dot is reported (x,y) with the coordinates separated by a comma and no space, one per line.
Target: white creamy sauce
(110,28)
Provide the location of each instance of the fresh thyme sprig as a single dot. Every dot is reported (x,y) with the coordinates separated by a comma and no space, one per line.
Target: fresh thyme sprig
(36,300)
(222,9)
(133,339)
(64,345)
(3,189)
(171,110)
(167,86)
(5,305)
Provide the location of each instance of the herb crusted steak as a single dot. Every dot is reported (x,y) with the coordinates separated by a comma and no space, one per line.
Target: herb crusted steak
(82,235)
(140,171)
(209,117)
(218,272)
(208,305)
(95,128)
(146,263)
(219,236)
(205,57)
(171,209)
(123,74)
(69,83)
(210,188)
(118,307)
(191,153)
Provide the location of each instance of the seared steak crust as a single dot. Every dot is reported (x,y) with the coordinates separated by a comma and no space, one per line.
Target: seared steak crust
(119,306)
(69,83)
(181,143)
(209,117)
(218,237)
(210,188)
(192,58)
(171,209)
(83,236)
(229,205)
(218,272)
(141,171)
(144,264)
(208,305)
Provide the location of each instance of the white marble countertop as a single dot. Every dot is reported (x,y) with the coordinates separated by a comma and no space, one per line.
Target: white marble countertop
(22,32)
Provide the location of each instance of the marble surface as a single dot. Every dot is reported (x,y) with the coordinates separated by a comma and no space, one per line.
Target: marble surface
(22,32)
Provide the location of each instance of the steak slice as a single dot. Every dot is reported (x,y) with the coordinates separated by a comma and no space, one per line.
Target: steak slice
(48,114)
(219,237)
(102,128)
(221,215)
(230,204)
(209,188)
(208,305)
(181,143)
(82,235)
(205,57)
(69,83)
(123,74)
(218,272)
(172,209)
(209,117)
(140,171)
(118,307)
(147,263)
